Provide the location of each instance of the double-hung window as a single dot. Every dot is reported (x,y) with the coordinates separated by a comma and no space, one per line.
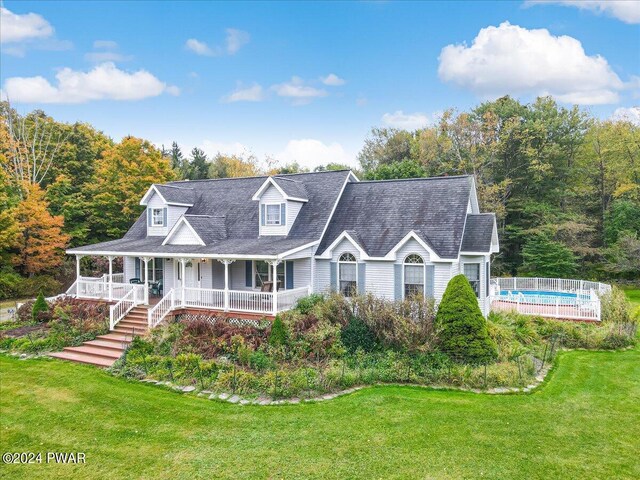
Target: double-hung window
(413,276)
(472,272)
(348,274)
(273,214)
(157,217)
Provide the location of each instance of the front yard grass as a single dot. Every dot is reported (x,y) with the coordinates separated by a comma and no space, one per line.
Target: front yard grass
(584,422)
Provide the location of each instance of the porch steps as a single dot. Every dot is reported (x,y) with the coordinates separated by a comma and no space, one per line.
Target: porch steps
(106,349)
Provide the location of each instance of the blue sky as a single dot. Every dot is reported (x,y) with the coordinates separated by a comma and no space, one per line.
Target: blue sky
(307,81)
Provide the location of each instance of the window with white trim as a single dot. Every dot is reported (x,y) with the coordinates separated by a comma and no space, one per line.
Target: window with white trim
(413,275)
(472,272)
(157,217)
(347,273)
(273,214)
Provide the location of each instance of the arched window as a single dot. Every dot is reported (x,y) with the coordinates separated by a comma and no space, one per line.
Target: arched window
(413,275)
(347,274)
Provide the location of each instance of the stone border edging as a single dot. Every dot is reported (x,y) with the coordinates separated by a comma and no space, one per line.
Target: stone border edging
(264,401)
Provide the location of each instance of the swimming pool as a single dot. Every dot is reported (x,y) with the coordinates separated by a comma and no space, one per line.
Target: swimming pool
(544,297)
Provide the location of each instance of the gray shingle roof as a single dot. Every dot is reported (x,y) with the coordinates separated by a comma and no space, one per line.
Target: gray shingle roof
(229,202)
(293,188)
(478,232)
(381,213)
(175,194)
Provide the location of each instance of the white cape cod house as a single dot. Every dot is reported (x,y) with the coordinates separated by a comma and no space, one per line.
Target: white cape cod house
(256,245)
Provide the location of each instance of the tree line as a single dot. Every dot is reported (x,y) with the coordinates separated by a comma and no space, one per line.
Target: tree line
(565,185)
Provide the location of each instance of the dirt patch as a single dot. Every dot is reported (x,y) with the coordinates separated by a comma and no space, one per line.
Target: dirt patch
(22,331)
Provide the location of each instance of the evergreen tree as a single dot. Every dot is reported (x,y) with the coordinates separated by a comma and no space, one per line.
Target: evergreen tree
(199,165)
(40,305)
(278,335)
(544,257)
(177,160)
(462,330)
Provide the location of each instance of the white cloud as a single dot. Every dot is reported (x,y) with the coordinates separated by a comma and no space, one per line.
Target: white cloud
(19,28)
(310,153)
(200,48)
(509,59)
(631,114)
(236,39)
(405,121)
(297,91)
(103,82)
(626,10)
(212,148)
(106,44)
(332,80)
(254,93)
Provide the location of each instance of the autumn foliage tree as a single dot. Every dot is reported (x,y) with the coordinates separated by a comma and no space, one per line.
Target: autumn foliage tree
(40,242)
(122,176)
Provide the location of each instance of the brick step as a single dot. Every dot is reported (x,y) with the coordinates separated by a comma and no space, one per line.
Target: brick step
(84,358)
(115,346)
(95,351)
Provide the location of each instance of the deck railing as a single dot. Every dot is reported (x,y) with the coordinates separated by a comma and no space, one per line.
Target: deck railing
(203,298)
(252,302)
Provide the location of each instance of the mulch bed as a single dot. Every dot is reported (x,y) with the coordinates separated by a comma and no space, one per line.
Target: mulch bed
(22,331)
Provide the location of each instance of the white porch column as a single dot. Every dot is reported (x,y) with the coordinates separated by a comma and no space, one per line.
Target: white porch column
(110,257)
(226,264)
(183,271)
(274,277)
(146,279)
(78,257)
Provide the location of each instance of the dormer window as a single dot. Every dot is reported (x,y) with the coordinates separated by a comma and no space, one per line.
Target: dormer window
(157,217)
(273,214)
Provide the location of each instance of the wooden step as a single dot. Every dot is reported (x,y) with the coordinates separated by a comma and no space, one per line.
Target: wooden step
(111,345)
(95,351)
(128,330)
(115,336)
(84,358)
(133,323)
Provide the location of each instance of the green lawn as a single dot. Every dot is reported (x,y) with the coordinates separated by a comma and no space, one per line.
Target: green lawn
(583,423)
(633,295)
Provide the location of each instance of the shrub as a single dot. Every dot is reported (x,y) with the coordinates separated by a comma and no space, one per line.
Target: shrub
(462,330)
(306,304)
(25,311)
(614,306)
(357,335)
(40,305)
(278,335)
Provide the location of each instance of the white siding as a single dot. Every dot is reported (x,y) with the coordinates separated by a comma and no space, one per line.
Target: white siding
(129,268)
(169,281)
(323,282)
(301,272)
(184,236)
(272,195)
(442,275)
(293,208)
(306,253)
(379,279)
(206,278)
(412,246)
(483,287)
(343,247)
(173,214)
(237,274)
(218,274)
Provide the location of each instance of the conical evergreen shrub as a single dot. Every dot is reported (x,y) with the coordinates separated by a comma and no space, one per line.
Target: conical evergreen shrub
(278,335)
(462,330)
(40,305)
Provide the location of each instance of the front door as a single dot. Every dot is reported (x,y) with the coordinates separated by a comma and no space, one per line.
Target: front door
(192,274)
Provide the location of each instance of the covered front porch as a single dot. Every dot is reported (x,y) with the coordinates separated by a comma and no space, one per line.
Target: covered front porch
(242,285)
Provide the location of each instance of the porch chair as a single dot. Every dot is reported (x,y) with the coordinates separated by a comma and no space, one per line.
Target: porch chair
(136,281)
(156,288)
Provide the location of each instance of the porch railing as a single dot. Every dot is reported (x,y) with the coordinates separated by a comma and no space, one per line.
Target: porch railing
(248,301)
(204,298)
(99,290)
(287,299)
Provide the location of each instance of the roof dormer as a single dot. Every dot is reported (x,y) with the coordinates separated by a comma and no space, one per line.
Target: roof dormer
(280,199)
(165,204)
